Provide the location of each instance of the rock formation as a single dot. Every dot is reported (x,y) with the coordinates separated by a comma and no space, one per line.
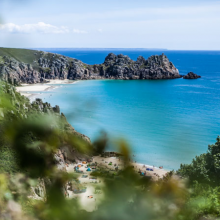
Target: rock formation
(45,66)
(155,67)
(191,75)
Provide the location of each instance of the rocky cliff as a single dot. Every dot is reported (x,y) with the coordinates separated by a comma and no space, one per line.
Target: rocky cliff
(42,66)
(122,67)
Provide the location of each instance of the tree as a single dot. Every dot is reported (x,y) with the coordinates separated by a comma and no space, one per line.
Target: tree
(204,168)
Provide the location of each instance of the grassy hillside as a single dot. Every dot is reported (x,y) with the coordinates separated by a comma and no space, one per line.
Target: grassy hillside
(27,55)
(22,55)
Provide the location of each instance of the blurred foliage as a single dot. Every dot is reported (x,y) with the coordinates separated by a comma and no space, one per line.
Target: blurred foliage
(30,136)
(8,160)
(203,176)
(205,200)
(204,168)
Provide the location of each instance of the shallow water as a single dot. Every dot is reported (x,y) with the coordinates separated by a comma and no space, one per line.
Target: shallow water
(167,122)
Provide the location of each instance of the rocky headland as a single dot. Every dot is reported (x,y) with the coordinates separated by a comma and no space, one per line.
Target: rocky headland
(30,66)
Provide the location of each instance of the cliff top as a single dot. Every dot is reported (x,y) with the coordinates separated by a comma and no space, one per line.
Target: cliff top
(29,56)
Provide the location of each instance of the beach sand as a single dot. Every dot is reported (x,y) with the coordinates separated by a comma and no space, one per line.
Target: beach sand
(28,89)
(90,204)
(155,174)
(58,81)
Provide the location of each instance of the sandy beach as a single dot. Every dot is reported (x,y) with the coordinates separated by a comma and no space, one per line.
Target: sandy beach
(90,199)
(28,89)
(155,174)
(58,81)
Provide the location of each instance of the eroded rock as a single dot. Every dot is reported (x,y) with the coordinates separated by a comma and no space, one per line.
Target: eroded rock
(191,75)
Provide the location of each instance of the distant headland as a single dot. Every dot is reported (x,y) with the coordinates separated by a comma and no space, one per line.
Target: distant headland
(33,66)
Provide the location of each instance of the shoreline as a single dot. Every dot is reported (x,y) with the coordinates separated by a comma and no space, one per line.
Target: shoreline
(30,90)
(137,166)
(90,198)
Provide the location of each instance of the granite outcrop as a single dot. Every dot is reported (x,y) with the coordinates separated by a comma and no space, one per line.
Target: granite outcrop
(191,75)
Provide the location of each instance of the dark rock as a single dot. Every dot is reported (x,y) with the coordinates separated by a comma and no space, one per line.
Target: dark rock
(191,75)
(140,60)
(56,109)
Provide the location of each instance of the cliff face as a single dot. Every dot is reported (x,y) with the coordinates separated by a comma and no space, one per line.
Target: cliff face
(45,66)
(16,72)
(155,67)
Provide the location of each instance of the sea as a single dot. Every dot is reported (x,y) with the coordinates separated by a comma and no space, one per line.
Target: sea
(164,122)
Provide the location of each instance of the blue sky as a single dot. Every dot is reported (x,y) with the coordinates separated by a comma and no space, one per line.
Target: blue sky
(185,25)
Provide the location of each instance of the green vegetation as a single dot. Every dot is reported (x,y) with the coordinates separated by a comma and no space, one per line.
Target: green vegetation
(203,176)
(204,168)
(204,200)
(1,60)
(8,160)
(22,55)
(27,55)
(45,70)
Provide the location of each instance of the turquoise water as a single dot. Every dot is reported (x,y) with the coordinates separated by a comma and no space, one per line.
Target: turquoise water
(166,122)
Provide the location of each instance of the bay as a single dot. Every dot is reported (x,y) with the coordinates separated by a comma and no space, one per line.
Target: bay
(166,122)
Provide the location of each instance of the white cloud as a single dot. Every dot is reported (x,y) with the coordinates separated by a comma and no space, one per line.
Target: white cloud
(40,27)
(99,30)
(77,31)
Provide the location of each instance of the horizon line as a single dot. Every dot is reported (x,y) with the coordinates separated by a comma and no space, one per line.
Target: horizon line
(122,48)
(111,48)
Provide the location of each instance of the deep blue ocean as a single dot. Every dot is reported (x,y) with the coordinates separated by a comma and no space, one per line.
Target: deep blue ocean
(166,122)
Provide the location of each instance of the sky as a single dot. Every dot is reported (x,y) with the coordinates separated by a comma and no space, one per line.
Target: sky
(169,24)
